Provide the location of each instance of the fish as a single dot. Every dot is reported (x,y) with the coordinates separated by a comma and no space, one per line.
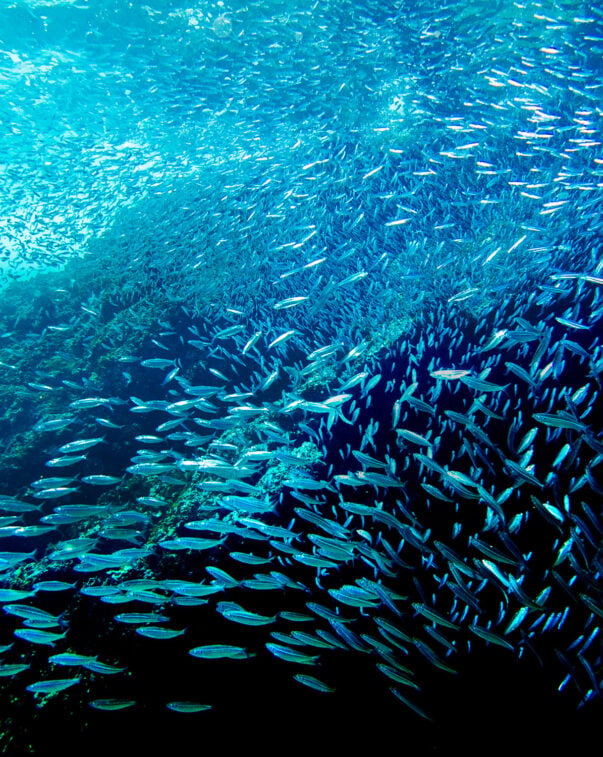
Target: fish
(157,362)
(291,655)
(53,424)
(313,683)
(351,377)
(55,492)
(219,651)
(14,595)
(52,686)
(70,659)
(37,636)
(31,613)
(53,585)
(233,611)
(12,670)
(79,445)
(137,618)
(159,633)
(112,704)
(188,707)
(100,479)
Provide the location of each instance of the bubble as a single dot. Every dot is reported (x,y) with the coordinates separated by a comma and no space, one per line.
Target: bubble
(222,26)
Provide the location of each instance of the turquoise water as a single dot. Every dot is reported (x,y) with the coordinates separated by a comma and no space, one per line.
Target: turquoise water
(300,359)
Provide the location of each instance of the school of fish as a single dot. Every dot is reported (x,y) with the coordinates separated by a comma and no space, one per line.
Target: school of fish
(327,386)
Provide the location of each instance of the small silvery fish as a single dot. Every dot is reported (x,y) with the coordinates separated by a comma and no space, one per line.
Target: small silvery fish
(52,686)
(36,636)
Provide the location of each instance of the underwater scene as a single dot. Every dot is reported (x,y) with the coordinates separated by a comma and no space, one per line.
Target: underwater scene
(301,376)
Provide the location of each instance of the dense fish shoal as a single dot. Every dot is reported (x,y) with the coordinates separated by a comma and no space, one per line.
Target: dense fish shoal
(300,358)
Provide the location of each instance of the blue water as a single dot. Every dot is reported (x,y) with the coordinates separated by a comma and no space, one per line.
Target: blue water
(267,264)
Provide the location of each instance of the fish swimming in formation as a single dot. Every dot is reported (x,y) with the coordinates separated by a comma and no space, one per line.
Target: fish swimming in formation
(345,335)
